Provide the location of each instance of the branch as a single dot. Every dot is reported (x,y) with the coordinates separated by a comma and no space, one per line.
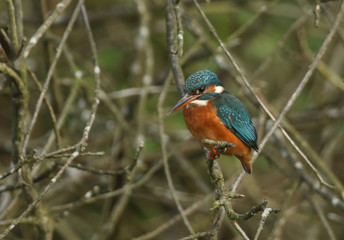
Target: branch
(51,70)
(266,212)
(224,196)
(161,114)
(173,50)
(59,9)
(13,26)
(82,143)
(293,97)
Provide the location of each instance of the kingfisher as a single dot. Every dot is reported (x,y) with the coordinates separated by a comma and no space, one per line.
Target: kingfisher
(214,113)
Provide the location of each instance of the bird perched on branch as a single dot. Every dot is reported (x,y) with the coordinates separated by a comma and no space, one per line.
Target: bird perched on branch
(212,112)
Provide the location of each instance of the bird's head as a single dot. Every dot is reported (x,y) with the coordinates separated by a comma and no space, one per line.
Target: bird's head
(199,88)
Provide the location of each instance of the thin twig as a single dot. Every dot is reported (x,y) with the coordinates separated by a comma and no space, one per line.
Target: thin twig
(13,26)
(58,10)
(162,113)
(50,109)
(81,145)
(67,105)
(302,84)
(131,92)
(146,48)
(19,19)
(50,73)
(94,198)
(285,210)
(224,197)
(265,214)
(173,220)
(171,38)
(293,97)
(322,217)
(109,226)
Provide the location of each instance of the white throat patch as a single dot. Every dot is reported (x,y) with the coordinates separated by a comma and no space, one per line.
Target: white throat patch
(198,103)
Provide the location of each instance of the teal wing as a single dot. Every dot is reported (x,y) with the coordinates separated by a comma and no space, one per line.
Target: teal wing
(234,115)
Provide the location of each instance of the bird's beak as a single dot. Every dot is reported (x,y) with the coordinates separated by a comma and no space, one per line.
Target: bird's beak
(182,102)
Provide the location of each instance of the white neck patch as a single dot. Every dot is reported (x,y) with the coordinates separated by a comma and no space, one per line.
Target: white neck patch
(219,89)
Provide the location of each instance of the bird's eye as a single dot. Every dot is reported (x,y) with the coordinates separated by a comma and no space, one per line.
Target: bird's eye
(199,91)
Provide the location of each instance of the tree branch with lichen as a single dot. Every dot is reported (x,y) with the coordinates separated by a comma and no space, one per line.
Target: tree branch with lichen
(223,195)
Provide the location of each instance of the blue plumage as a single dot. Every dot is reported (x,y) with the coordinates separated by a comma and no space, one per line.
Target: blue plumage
(234,115)
(201,79)
(206,105)
(230,110)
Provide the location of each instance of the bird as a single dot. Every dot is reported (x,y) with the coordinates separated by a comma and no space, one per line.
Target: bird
(212,112)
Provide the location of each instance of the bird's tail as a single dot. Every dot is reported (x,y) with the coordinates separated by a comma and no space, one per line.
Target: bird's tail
(246,162)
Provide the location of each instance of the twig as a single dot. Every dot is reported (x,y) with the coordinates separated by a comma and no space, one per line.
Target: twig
(81,145)
(51,69)
(316,12)
(223,198)
(189,168)
(321,67)
(114,109)
(130,92)
(199,235)
(173,52)
(81,154)
(166,225)
(302,84)
(13,26)
(109,226)
(96,72)
(94,198)
(212,233)
(266,63)
(180,36)
(67,106)
(146,48)
(293,97)
(262,103)
(161,115)
(316,187)
(245,27)
(50,109)
(37,159)
(237,227)
(5,69)
(97,171)
(284,214)
(322,217)
(58,10)
(265,214)
(18,6)
(221,145)
(12,170)
(39,198)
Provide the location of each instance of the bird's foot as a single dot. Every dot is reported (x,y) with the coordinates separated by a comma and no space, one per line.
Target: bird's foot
(213,154)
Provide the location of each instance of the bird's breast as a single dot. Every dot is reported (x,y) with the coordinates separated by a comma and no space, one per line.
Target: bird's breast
(203,123)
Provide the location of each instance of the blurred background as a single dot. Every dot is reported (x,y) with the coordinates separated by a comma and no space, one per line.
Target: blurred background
(118,189)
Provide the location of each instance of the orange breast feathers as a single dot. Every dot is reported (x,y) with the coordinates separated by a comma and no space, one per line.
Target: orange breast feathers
(203,123)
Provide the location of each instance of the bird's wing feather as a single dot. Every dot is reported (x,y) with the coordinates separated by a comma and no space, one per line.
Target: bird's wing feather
(234,115)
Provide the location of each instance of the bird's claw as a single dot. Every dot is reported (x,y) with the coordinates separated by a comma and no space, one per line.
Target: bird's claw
(213,154)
